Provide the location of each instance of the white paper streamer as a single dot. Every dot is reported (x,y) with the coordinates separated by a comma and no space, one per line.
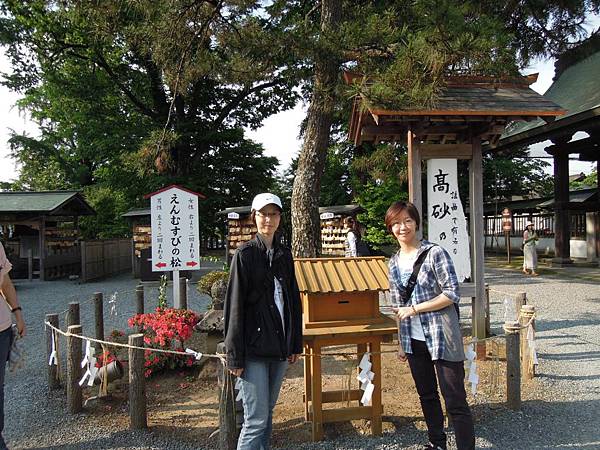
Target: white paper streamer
(473,377)
(366,377)
(238,386)
(89,361)
(197,355)
(52,360)
(113,304)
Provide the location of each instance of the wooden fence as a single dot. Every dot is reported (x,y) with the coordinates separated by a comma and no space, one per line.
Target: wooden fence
(104,257)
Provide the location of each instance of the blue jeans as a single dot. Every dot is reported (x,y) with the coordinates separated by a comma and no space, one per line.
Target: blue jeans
(260,385)
(5,342)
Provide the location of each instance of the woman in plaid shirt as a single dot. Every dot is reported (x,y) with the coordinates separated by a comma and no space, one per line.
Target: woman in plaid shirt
(430,337)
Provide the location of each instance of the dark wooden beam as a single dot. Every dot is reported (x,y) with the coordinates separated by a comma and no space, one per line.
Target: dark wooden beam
(454,151)
(582,145)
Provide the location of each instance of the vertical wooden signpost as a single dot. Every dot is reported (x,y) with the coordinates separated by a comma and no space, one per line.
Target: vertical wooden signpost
(175,237)
(507,227)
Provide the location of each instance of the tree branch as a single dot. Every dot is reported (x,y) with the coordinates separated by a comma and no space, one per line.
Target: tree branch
(227,109)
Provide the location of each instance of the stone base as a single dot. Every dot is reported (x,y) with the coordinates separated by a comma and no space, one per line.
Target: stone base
(561,262)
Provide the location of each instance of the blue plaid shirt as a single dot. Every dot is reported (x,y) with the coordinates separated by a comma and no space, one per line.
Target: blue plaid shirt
(437,275)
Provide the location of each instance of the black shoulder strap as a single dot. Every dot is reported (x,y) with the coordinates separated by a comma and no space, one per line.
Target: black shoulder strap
(412,281)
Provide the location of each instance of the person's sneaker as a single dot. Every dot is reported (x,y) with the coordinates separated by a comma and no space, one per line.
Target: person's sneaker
(430,446)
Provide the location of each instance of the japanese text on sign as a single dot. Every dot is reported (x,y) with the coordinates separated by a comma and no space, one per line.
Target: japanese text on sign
(447,223)
(175,239)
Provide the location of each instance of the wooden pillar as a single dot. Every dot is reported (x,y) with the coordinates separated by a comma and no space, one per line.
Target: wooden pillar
(73,316)
(477,238)
(137,384)
(562,229)
(513,365)
(53,380)
(99,318)
(316,394)
(42,251)
(415,194)
(74,395)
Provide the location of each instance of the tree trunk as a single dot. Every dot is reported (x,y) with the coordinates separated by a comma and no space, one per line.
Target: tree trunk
(306,229)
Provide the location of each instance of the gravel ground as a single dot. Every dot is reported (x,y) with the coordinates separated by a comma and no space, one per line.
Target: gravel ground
(563,414)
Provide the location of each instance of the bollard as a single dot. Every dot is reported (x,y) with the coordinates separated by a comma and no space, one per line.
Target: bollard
(513,365)
(53,381)
(139,299)
(183,292)
(520,300)
(99,316)
(73,314)
(74,397)
(228,429)
(527,359)
(137,384)
(488,329)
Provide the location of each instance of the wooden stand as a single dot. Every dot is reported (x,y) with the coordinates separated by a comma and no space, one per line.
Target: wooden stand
(366,337)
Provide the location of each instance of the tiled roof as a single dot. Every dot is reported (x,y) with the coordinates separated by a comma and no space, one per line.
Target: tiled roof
(48,202)
(330,275)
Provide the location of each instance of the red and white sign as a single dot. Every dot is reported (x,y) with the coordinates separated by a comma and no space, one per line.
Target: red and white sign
(175,237)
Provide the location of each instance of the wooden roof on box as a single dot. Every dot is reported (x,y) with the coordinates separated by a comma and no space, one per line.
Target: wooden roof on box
(467,104)
(333,275)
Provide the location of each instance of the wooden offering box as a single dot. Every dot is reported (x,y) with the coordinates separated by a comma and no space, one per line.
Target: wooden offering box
(341,291)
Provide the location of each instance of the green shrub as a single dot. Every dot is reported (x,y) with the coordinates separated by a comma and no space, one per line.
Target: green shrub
(206,282)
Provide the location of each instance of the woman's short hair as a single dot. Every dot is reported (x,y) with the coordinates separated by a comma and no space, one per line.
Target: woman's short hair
(394,211)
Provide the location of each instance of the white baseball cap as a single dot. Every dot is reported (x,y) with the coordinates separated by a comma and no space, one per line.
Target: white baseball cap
(262,200)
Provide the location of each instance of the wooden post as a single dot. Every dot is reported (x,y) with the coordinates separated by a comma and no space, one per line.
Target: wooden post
(477,239)
(488,330)
(84,275)
(99,316)
(73,317)
(137,384)
(527,313)
(415,194)
(53,381)
(513,365)
(29,264)
(74,397)
(42,250)
(183,283)
(139,299)
(520,300)
(228,430)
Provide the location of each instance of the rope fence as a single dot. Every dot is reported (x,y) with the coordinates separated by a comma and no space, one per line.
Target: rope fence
(519,335)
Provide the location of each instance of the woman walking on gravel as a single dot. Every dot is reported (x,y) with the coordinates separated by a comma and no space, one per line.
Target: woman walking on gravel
(8,300)
(530,239)
(263,321)
(424,290)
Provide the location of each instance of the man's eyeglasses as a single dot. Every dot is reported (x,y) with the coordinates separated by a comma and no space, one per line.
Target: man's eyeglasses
(272,215)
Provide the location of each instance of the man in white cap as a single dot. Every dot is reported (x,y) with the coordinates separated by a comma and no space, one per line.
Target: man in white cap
(263,321)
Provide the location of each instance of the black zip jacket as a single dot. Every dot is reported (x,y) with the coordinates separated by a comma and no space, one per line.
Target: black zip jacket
(253,327)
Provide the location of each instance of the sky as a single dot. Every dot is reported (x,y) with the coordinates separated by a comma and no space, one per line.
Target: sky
(279,133)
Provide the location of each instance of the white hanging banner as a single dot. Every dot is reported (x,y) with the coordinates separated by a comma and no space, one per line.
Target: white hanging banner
(446,218)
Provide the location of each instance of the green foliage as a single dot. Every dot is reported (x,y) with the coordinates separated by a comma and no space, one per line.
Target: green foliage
(375,198)
(109,205)
(205,283)
(590,180)
(132,96)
